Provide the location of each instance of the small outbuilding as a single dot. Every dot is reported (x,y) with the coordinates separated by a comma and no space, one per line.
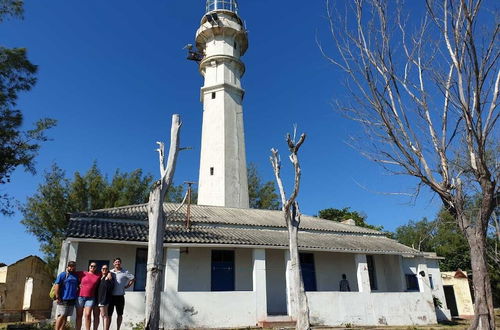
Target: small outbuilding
(24,290)
(458,294)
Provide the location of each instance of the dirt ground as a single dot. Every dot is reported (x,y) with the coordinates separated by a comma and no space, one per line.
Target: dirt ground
(455,325)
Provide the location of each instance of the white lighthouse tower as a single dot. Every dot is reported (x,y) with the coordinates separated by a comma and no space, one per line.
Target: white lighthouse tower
(221,40)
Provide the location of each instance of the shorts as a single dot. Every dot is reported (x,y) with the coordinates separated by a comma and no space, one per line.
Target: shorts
(117,302)
(65,308)
(85,302)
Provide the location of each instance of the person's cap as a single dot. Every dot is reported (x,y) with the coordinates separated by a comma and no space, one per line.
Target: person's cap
(71,263)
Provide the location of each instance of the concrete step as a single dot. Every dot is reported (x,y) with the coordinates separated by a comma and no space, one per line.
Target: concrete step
(278,321)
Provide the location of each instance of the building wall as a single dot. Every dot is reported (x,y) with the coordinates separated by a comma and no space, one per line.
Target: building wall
(195,269)
(388,273)
(192,304)
(443,313)
(2,295)
(329,270)
(17,274)
(100,251)
(359,308)
(462,293)
(3,274)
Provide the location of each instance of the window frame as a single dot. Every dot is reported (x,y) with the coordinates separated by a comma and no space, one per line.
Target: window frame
(140,267)
(412,282)
(222,270)
(308,268)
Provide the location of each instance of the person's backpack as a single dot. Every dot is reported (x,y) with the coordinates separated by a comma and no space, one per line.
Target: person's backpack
(52,293)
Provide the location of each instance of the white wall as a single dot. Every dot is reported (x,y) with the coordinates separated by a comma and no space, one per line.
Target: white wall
(329,270)
(195,269)
(443,313)
(359,308)
(388,273)
(209,309)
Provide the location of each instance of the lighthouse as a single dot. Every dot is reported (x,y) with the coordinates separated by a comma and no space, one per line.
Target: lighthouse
(221,40)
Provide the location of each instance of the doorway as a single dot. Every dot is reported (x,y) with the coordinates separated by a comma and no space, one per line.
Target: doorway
(276,282)
(451,301)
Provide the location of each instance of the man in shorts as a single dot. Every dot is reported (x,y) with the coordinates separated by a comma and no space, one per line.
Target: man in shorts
(66,286)
(123,280)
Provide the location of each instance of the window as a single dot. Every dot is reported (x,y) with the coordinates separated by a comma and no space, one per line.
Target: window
(411,282)
(222,270)
(431,282)
(308,271)
(213,95)
(371,272)
(99,264)
(141,259)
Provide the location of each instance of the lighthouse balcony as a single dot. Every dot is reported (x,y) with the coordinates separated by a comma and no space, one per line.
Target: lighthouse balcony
(230,5)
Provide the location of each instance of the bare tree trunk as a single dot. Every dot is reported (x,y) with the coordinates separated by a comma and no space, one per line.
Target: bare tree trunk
(299,306)
(300,297)
(155,258)
(483,302)
(157,223)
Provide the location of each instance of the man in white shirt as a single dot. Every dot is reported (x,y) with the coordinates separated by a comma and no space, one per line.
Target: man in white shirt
(123,280)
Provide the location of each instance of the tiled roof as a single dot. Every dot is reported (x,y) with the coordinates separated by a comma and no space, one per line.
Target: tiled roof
(225,215)
(227,226)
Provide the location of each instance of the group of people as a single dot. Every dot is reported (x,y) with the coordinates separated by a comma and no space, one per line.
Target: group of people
(92,293)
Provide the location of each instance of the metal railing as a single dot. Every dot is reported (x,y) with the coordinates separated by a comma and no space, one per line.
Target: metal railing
(231,5)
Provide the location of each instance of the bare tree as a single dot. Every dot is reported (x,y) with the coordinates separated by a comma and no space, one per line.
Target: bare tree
(157,222)
(427,97)
(299,306)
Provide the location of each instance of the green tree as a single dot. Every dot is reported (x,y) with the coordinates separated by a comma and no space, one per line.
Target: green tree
(442,236)
(340,215)
(17,74)
(45,214)
(261,195)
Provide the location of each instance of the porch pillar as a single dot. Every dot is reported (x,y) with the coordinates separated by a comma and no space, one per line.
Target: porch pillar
(63,258)
(63,262)
(288,280)
(259,283)
(362,273)
(73,252)
(172,271)
(423,280)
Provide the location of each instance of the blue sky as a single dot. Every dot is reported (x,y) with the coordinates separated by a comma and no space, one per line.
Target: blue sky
(113,72)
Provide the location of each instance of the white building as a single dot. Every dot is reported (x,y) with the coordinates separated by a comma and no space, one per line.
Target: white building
(230,267)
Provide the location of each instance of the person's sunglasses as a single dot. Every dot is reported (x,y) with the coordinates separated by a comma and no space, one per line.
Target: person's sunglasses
(93,266)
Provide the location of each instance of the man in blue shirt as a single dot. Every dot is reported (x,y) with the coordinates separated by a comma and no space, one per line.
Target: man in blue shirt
(66,287)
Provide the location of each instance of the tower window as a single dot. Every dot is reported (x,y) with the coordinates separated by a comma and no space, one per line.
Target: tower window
(213,95)
(211,171)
